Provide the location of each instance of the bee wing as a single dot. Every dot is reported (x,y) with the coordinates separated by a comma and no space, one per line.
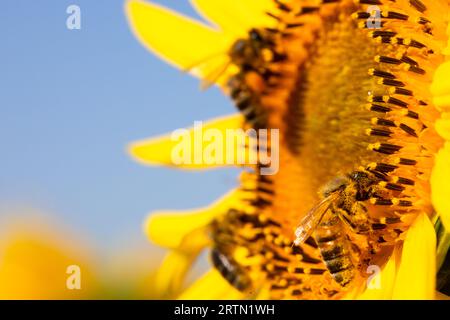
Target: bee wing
(211,78)
(212,68)
(312,219)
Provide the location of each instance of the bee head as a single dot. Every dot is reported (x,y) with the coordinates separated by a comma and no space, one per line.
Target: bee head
(247,51)
(360,177)
(334,185)
(362,181)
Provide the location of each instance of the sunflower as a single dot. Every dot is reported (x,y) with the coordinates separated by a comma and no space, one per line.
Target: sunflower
(357,89)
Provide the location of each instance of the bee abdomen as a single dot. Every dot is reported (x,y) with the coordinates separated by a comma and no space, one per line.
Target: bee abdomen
(246,101)
(336,256)
(230,270)
(341,269)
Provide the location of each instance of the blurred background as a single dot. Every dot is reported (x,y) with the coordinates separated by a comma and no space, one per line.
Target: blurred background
(71,101)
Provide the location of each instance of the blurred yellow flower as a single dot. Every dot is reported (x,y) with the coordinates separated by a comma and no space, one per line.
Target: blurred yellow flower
(355,87)
(35,263)
(40,259)
(130,273)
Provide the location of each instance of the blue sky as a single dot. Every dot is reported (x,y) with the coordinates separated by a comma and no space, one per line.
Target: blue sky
(70,102)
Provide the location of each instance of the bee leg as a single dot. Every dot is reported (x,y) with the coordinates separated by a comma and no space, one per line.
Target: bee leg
(357,219)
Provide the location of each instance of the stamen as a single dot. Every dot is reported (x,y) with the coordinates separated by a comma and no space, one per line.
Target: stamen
(391,186)
(282,6)
(406,162)
(423,20)
(381,74)
(404,181)
(379,175)
(378,108)
(373,2)
(408,60)
(414,69)
(378,132)
(307,10)
(408,130)
(270,14)
(414,43)
(378,226)
(385,148)
(402,203)
(361,15)
(383,122)
(392,83)
(381,202)
(391,220)
(396,102)
(388,60)
(294,25)
(418,5)
(401,91)
(410,114)
(383,34)
(394,15)
(382,167)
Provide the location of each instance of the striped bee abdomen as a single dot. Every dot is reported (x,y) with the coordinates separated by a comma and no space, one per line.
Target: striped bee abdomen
(333,246)
(230,270)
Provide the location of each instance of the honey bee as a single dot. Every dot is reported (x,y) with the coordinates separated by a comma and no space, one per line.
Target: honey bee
(251,55)
(254,52)
(230,270)
(248,54)
(342,206)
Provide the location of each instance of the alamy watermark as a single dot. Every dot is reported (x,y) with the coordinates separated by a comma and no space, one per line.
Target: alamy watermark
(374,280)
(210,146)
(374,20)
(73,21)
(73,281)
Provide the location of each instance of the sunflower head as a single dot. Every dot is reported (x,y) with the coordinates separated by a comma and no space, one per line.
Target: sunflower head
(359,92)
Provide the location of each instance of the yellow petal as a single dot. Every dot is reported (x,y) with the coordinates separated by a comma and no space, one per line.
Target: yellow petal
(440,189)
(203,146)
(443,238)
(211,286)
(440,87)
(416,277)
(170,229)
(442,126)
(172,272)
(381,285)
(179,40)
(236,17)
